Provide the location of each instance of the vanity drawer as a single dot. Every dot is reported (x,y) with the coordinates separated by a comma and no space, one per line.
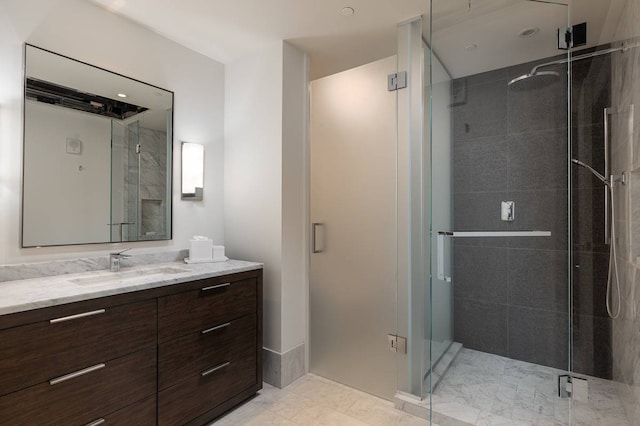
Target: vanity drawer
(191,354)
(141,413)
(214,303)
(86,397)
(53,348)
(198,394)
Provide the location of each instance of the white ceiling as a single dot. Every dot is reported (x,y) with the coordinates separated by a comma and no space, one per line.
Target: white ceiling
(228,30)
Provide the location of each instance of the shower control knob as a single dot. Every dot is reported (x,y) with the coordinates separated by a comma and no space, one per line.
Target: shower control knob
(508,211)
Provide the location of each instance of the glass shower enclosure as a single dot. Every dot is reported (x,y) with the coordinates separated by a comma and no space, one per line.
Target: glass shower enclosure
(499,186)
(521,170)
(513,152)
(140,189)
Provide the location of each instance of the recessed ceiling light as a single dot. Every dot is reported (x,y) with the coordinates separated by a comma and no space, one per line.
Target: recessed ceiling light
(470,47)
(528,32)
(347,11)
(122,95)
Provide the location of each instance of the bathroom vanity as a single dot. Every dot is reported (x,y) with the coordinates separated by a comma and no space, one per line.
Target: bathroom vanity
(168,345)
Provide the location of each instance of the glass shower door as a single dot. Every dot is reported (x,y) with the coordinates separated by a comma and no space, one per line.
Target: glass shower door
(125,181)
(499,299)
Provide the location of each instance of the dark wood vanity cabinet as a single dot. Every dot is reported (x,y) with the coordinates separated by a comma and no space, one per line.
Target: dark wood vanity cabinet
(209,348)
(175,355)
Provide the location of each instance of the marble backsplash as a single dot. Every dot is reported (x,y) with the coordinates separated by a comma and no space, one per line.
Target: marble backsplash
(25,271)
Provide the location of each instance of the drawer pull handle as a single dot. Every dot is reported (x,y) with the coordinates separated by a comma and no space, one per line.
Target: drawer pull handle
(96,423)
(76,374)
(213,287)
(214,369)
(217,327)
(77,316)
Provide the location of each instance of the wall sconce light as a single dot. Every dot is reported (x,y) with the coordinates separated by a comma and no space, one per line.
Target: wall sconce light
(192,171)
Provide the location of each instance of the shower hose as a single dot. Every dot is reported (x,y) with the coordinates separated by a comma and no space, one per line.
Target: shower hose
(612,257)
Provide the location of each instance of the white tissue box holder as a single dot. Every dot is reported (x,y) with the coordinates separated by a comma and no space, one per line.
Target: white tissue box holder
(201,250)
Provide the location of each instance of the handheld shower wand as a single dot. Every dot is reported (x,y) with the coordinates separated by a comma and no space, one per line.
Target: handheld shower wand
(592,170)
(610,184)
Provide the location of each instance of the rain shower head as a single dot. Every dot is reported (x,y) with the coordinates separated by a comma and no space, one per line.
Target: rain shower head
(592,170)
(538,79)
(534,80)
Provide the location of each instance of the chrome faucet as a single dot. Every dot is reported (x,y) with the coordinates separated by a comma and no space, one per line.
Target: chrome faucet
(114,259)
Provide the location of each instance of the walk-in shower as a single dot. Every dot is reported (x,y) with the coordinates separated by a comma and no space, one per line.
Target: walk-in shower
(481,223)
(518,306)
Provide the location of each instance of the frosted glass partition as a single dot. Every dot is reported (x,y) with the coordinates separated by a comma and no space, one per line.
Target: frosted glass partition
(352,283)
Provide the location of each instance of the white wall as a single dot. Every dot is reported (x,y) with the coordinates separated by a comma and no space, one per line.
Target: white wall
(264,182)
(55,175)
(252,181)
(81,30)
(295,223)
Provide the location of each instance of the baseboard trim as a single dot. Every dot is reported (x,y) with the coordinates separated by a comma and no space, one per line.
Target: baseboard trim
(282,369)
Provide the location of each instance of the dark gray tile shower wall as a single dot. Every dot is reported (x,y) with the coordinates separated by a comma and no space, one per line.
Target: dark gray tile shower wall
(510,294)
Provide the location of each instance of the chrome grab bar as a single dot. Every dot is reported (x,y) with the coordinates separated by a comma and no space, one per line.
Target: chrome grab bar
(96,422)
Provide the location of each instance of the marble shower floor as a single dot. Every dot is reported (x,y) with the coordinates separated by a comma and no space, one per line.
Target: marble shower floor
(485,389)
(313,400)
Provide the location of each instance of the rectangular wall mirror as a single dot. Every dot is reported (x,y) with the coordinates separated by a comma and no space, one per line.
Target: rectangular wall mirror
(97,154)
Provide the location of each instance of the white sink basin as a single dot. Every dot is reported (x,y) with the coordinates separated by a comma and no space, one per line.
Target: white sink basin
(106,277)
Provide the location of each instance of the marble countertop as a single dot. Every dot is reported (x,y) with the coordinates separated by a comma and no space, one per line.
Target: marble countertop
(27,294)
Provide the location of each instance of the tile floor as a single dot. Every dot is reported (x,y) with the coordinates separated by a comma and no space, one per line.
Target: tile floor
(313,400)
(479,389)
(485,389)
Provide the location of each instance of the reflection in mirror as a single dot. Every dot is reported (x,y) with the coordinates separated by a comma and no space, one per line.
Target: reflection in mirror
(192,171)
(97,155)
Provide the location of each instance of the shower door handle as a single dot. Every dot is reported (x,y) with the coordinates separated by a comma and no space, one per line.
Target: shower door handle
(315,239)
(440,257)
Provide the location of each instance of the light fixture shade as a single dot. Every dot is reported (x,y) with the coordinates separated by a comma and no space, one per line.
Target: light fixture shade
(192,171)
